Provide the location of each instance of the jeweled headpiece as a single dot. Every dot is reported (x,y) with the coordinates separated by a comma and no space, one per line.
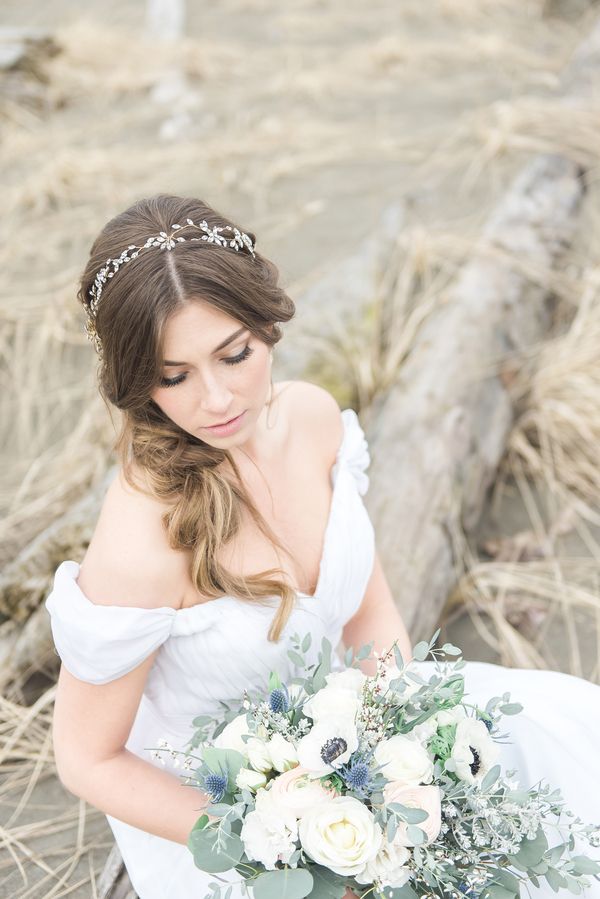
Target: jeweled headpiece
(165,242)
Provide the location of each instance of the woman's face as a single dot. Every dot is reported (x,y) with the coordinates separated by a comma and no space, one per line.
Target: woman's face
(205,383)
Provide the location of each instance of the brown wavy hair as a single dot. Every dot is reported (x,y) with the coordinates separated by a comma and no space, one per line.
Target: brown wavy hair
(204,507)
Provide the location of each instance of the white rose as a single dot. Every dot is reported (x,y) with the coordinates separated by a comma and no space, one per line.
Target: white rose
(231,735)
(283,753)
(388,867)
(258,755)
(474,752)
(426,798)
(450,716)
(296,792)
(405,760)
(332,701)
(247,779)
(349,679)
(341,834)
(267,835)
(327,742)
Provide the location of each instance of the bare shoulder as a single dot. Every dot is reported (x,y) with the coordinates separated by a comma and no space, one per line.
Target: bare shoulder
(129,561)
(320,415)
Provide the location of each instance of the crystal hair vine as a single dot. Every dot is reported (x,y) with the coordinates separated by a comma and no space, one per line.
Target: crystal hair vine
(165,242)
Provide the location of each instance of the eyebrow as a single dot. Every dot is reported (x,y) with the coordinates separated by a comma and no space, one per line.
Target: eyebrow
(221,346)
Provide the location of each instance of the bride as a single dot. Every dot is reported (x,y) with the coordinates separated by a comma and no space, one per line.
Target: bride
(236,520)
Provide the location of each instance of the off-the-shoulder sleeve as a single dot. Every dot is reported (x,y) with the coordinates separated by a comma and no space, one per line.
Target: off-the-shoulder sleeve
(100,643)
(354,451)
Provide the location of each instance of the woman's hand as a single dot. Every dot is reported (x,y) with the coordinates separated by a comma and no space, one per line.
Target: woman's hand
(349,895)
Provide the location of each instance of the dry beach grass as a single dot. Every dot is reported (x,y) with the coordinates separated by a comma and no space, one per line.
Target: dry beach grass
(303,121)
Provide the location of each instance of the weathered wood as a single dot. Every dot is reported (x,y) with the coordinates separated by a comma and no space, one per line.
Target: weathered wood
(436,438)
(114,882)
(439,434)
(25,637)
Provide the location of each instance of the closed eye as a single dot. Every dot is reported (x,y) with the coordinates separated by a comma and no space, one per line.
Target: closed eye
(232,360)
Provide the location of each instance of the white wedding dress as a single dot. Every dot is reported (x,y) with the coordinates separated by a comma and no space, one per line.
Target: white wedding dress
(212,651)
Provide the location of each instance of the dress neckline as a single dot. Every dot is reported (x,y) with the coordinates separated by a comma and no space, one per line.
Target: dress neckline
(192,610)
(326,533)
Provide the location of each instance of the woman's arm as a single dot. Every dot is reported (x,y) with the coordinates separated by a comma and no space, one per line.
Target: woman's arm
(377,620)
(90,726)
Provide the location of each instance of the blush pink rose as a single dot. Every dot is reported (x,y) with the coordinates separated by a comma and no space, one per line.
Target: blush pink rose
(426,798)
(296,791)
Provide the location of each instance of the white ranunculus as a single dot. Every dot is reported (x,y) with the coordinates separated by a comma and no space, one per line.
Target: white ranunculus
(283,753)
(297,792)
(258,755)
(388,867)
(341,834)
(334,739)
(332,701)
(349,679)
(231,735)
(247,779)
(429,799)
(405,760)
(474,752)
(268,836)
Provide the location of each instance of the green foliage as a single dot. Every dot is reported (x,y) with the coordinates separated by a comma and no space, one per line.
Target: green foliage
(288,883)
(213,850)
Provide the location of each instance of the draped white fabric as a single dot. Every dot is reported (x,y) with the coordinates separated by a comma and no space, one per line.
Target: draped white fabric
(212,651)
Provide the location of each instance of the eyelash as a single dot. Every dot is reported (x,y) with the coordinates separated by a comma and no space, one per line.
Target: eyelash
(233,360)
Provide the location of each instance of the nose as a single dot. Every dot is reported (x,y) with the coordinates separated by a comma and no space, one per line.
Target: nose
(216,398)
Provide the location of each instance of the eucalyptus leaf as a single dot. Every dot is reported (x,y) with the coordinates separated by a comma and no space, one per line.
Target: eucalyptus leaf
(306,642)
(405,892)
(326,884)
(581,864)
(451,650)
(421,651)
(555,880)
(433,640)
(296,658)
(398,658)
(288,883)
(491,777)
(415,834)
(207,857)
(408,814)
(531,852)
(511,708)
(496,891)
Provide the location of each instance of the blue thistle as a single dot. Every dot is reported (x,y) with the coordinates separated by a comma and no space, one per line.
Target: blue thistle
(215,785)
(279,699)
(357,776)
(467,890)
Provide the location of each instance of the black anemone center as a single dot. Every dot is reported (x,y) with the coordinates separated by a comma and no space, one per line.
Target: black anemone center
(332,749)
(476,763)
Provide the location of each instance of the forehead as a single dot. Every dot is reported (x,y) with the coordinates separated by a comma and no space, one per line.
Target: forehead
(197,327)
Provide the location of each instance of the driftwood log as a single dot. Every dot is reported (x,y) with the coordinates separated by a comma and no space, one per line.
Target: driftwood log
(438,435)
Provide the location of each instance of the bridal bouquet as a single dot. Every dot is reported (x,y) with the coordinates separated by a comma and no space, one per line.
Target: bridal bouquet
(385,785)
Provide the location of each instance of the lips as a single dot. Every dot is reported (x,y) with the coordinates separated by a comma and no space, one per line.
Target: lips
(221,423)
